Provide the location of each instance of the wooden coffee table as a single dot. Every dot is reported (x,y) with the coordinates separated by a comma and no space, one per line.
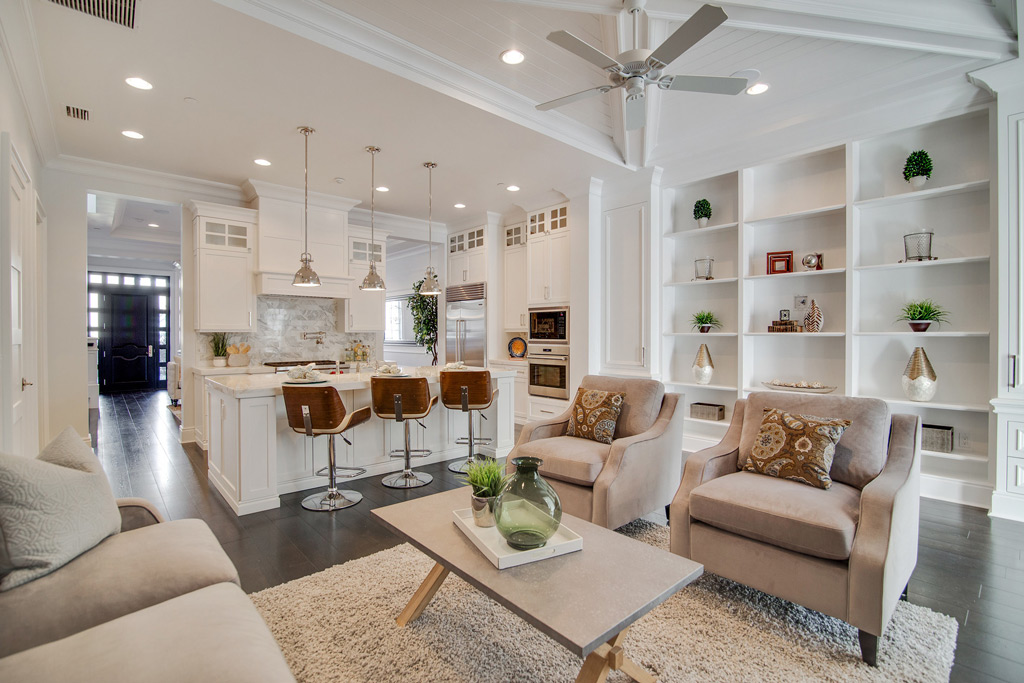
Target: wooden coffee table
(585,600)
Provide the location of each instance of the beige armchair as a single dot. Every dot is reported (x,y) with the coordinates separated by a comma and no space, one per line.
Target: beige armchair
(847,551)
(613,484)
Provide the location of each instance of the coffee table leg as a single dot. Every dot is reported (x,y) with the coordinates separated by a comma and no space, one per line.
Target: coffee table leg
(423,595)
(608,657)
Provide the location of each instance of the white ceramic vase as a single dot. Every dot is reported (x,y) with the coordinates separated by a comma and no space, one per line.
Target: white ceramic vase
(220,361)
(702,222)
(918,181)
(919,379)
(703,366)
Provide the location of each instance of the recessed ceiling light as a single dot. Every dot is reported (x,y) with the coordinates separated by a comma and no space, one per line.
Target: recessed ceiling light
(758,88)
(261,162)
(153,225)
(382,189)
(512,57)
(460,206)
(339,179)
(132,134)
(140,83)
(512,188)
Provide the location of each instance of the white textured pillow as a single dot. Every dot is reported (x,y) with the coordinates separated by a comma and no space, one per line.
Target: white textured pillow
(52,509)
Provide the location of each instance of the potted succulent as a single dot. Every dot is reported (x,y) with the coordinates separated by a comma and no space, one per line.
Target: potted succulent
(488,478)
(702,212)
(219,345)
(921,314)
(917,169)
(705,320)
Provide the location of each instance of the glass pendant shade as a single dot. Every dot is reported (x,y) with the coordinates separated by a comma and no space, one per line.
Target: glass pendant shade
(373,282)
(430,286)
(305,276)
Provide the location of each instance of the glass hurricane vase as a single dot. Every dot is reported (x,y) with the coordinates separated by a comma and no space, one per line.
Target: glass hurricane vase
(528,511)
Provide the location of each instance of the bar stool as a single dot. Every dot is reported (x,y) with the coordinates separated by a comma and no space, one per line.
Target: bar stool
(467,390)
(403,399)
(315,411)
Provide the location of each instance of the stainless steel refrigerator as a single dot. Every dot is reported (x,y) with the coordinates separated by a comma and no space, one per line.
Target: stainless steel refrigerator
(466,325)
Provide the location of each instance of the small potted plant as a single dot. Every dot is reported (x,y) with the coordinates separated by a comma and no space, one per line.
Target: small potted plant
(918,169)
(219,345)
(488,478)
(702,212)
(704,321)
(921,314)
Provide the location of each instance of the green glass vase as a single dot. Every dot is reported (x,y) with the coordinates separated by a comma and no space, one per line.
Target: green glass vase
(527,511)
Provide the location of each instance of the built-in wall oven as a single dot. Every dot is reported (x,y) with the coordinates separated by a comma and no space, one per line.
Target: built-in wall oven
(549,326)
(548,370)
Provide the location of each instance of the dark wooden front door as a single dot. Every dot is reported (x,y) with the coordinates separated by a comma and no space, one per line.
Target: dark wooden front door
(129,358)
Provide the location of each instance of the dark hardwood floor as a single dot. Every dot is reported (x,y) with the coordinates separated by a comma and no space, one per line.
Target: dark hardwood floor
(969,566)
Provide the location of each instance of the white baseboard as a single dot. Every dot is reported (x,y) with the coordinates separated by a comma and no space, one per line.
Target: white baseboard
(953,491)
(1007,506)
(187,434)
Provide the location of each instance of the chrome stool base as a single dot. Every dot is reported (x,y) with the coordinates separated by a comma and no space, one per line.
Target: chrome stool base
(462,465)
(325,501)
(407,479)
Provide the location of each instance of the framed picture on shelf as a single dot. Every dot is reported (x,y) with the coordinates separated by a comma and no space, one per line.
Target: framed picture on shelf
(780,262)
(784,314)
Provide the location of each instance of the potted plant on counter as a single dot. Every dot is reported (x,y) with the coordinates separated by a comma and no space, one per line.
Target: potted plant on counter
(705,320)
(424,319)
(219,345)
(702,212)
(488,478)
(918,169)
(921,314)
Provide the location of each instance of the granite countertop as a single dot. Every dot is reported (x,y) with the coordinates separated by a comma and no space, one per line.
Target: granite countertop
(264,385)
(206,368)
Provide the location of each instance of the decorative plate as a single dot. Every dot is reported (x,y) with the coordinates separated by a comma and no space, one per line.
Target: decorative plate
(517,347)
(404,374)
(806,390)
(304,381)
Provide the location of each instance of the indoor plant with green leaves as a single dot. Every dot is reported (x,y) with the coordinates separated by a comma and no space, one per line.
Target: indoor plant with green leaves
(917,169)
(702,212)
(922,313)
(487,478)
(219,346)
(424,319)
(705,321)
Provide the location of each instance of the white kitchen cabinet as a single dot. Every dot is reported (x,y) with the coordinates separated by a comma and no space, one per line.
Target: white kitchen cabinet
(547,248)
(626,292)
(540,408)
(467,257)
(224,239)
(538,274)
(521,400)
(514,294)
(363,311)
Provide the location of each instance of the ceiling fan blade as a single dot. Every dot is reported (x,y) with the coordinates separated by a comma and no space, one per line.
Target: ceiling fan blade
(575,97)
(568,41)
(718,85)
(636,112)
(704,21)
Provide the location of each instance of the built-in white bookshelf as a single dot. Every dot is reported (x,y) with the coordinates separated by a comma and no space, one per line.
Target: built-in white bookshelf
(850,204)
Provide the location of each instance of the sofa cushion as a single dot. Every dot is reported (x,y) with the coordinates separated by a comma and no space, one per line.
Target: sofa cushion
(577,461)
(642,404)
(796,447)
(52,509)
(123,574)
(784,513)
(594,413)
(211,634)
(860,455)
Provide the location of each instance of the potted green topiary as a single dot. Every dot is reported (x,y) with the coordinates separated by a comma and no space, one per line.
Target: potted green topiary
(219,346)
(917,169)
(921,314)
(702,212)
(705,320)
(488,478)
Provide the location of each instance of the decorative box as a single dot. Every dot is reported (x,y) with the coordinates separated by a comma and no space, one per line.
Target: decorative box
(785,326)
(707,411)
(937,438)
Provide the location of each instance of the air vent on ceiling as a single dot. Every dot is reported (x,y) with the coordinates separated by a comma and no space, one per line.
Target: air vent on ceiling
(120,12)
(77,113)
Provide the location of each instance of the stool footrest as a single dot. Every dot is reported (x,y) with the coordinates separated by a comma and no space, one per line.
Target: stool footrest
(338,472)
(464,440)
(413,453)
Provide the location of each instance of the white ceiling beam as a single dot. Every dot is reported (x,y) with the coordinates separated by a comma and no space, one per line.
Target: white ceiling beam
(349,35)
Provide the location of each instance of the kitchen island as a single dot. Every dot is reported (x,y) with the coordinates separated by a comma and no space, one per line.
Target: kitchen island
(254,456)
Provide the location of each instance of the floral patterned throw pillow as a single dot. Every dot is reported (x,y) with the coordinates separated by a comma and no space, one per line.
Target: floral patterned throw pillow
(798,447)
(594,414)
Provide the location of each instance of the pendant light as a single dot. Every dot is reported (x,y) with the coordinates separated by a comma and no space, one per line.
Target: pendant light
(373,282)
(306,276)
(430,286)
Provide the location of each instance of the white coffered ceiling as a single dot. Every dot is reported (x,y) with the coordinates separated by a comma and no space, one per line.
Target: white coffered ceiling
(423,81)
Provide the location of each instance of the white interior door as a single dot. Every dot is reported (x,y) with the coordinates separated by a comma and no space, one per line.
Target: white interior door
(18,433)
(625,291)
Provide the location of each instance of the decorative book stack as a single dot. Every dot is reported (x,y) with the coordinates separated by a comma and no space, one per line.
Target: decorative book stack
(785,326)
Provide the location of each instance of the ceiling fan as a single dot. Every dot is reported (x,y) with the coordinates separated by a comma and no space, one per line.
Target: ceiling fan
(635,69)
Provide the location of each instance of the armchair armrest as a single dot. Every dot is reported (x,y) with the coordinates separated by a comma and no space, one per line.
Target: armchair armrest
(137,513)
(545,429)
(641,471)
(885,549)
(710,463)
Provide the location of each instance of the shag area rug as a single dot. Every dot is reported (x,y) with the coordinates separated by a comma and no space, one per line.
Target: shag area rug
(339,625)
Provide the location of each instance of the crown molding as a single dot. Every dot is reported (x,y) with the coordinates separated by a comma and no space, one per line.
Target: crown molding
(206,189)
(254,189)
(999,78)
(398,226)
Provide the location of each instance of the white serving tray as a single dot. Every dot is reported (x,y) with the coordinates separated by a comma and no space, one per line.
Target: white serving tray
(493,545)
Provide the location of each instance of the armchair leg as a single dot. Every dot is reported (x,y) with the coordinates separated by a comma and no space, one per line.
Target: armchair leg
(868,648)
(668,516)
(904,595)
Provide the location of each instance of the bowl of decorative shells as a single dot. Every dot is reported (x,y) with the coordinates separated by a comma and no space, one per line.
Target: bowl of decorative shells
(806,387)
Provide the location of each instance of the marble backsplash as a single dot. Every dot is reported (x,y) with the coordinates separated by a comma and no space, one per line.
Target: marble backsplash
(280,323)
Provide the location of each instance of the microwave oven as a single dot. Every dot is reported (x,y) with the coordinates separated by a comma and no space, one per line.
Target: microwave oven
(549,325)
